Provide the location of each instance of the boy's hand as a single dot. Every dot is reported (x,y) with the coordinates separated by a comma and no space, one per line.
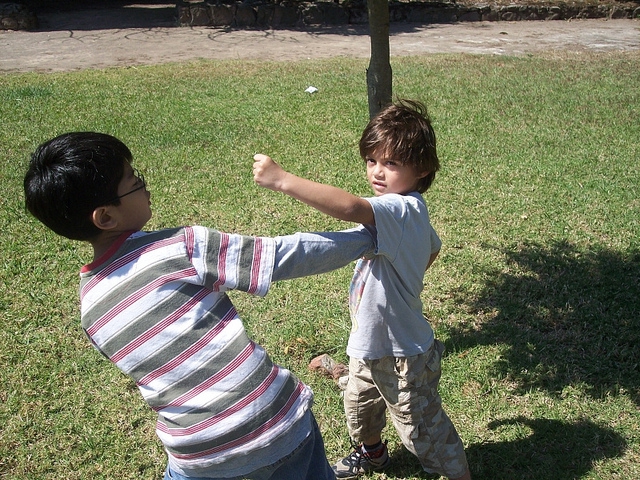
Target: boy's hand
(266,172)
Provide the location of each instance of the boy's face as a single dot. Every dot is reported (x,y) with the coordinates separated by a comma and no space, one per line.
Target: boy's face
(135,203)
(387,175)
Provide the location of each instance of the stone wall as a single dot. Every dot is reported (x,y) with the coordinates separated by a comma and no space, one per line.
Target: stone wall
(261,15)
(266,14)
(15,16)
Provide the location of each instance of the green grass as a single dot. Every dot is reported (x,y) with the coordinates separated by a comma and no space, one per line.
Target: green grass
(536,293)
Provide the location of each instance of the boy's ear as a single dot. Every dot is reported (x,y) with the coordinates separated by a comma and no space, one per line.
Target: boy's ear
(423,174)
(103,219)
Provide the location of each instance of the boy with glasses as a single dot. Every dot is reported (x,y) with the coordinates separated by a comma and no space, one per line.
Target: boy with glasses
(155,304)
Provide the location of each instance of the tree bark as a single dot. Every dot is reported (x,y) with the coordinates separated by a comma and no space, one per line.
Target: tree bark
(379,75)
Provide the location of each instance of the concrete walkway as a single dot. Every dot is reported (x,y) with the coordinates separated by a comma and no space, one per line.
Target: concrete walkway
(77,40)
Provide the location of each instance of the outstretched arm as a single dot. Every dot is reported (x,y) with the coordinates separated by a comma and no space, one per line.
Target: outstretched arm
(331,200)
(304,254)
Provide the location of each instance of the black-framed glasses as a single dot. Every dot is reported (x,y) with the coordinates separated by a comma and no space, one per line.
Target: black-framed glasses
(143,184)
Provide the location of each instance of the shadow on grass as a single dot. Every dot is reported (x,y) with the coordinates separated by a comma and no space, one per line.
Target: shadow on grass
(554,450)
(551,450)
(569,318)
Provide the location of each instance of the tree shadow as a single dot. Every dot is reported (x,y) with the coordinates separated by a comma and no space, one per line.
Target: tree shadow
(552,450)
(569,318)
(546,450)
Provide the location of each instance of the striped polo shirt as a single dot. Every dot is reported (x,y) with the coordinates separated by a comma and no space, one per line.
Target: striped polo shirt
(155,305)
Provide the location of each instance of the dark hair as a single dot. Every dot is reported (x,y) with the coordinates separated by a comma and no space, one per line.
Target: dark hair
(403,130)
(70,176)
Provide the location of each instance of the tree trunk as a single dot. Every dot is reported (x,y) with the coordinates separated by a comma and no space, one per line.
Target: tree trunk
(379,75)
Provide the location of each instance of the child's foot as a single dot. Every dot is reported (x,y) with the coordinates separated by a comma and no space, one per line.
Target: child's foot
(361,461)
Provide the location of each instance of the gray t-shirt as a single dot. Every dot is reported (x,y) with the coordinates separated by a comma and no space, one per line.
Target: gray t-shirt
(384,296)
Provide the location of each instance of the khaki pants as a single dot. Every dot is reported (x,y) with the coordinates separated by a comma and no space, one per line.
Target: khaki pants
(408,389)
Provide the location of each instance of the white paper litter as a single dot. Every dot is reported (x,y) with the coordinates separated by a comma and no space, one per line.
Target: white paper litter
(311,90)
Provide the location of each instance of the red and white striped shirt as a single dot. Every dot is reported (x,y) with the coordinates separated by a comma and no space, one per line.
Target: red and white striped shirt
(155,305)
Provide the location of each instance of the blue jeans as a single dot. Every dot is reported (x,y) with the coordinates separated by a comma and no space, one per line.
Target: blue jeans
(307,462)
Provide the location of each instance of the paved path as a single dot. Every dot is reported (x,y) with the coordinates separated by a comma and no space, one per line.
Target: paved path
(103,38)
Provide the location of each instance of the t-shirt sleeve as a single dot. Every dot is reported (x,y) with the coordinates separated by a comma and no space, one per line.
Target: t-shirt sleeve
(404,231)
(436,243)
(231,261)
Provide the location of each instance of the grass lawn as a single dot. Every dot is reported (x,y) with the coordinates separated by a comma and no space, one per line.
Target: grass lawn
(536,293)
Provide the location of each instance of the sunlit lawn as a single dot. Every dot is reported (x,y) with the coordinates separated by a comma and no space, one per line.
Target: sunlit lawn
(536,293)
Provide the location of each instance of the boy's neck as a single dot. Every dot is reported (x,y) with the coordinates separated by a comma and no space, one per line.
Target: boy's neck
(103,242)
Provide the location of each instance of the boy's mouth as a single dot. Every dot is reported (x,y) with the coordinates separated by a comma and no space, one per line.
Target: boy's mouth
(378,187)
